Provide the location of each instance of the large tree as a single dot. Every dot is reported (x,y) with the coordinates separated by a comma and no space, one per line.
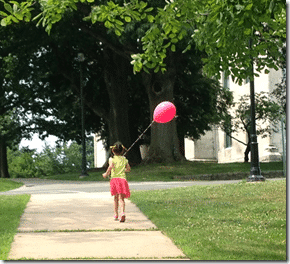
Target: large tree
(110,16)
(105,91)
(121,21)
(16,101)
(10,132)
(26,98)
(58,74)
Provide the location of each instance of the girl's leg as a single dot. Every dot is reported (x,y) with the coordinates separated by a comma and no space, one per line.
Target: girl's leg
(122,205)
(116,204)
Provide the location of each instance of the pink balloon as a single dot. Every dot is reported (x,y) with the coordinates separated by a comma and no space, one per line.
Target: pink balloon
(164,112)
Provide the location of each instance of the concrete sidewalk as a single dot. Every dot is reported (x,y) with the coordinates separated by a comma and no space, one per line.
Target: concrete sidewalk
(81,225)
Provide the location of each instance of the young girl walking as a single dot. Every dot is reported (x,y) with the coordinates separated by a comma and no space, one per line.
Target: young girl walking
(118,166)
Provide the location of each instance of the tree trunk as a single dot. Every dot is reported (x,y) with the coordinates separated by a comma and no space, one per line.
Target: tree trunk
(248,148)
(164,145)
(3,159)
(116,82)
(181,145)
(247,151)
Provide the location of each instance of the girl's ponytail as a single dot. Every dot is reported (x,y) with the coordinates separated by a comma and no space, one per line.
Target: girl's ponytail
(118,148)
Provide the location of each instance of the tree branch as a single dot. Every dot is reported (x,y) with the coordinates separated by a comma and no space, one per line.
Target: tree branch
(99,111)
(123,53)
(236,139)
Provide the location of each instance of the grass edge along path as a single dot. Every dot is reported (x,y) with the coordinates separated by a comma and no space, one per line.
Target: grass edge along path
(243,221)
(171,171)
(11,209)
(7,184)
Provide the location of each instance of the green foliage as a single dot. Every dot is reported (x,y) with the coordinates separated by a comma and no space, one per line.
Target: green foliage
(113,16)
(8,122)
(221,28)
(165,31)
(243,221)
(21,164)
(224,33)
(14,12)
(18,98)
(53,11)
(66,158)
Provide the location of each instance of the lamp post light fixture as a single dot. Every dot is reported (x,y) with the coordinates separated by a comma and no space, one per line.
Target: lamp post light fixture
(255,172)
(84,173)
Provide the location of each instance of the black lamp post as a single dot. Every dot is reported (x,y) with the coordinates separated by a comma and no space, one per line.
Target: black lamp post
(255,172)
(84,173)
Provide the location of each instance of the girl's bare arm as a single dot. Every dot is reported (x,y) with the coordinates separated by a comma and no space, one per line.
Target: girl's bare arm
(128,168)
(111,166)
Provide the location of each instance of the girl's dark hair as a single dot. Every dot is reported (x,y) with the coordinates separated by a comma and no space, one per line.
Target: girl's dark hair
(118,148)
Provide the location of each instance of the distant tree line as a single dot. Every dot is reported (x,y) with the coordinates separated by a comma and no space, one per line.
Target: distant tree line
(63,158)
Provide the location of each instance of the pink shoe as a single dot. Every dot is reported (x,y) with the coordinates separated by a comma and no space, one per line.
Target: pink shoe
(116,218)
(123,217)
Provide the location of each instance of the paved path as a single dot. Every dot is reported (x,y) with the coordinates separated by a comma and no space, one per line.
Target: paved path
(40,186)
(81,225)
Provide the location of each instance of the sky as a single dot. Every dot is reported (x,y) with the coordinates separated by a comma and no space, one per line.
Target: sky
(37,143)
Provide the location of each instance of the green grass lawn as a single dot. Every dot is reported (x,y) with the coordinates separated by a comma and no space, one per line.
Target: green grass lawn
(11,208)
(244,221)
(6,185)
(166,172)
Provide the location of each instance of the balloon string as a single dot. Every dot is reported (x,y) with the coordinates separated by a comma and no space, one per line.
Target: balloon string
(138,138)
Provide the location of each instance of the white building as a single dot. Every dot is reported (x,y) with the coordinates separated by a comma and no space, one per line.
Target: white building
(100,152)
(217,146)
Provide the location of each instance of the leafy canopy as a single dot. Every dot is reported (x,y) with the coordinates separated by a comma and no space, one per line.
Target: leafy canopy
(222,28)
(224,33)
